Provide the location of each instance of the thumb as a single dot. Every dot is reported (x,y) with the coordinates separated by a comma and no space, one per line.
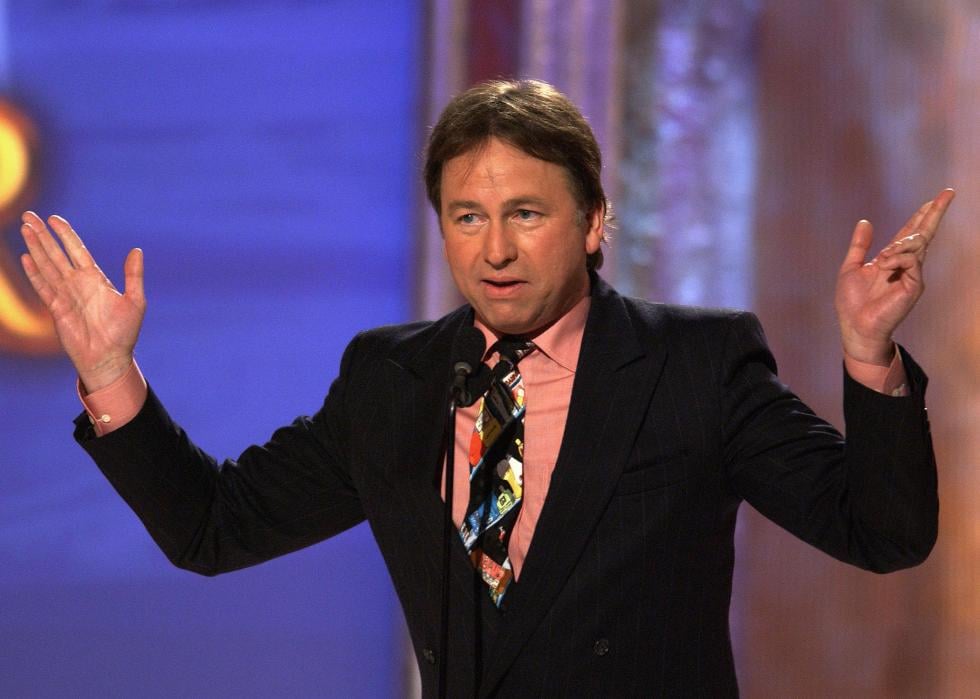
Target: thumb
(133,271)
(857,252)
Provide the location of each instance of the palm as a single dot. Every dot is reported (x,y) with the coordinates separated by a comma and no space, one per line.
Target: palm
(91,318)
(873,298)
(97,326)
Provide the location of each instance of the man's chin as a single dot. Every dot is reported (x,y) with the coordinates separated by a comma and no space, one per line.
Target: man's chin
(524,327)
(502,324)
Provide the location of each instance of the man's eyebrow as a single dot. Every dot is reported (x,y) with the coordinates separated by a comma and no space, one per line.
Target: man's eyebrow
(513,203)
(462,204)
(518,202)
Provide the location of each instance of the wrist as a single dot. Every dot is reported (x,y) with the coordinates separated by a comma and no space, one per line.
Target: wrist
(878,352)
(104,373)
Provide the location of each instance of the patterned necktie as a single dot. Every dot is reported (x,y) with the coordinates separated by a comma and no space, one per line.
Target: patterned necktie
(496,470)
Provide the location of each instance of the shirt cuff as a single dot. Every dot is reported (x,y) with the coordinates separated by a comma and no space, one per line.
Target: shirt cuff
(890,380)
(113,406)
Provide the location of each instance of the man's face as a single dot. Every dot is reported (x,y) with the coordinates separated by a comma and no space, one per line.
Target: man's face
(515,240)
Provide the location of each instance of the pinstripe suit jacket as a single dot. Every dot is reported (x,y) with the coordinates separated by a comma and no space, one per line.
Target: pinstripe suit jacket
(676,417)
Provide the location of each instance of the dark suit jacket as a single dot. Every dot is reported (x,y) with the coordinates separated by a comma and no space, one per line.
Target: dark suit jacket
(676,417)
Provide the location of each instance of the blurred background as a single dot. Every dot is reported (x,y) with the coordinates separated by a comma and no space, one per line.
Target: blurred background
(266,156)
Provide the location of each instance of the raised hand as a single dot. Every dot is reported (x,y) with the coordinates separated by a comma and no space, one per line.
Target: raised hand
(97,326)
(873,298)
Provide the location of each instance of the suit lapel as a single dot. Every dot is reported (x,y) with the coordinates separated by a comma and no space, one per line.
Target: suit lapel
(614,381)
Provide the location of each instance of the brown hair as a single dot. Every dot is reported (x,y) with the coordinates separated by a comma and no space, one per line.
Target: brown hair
(533,117)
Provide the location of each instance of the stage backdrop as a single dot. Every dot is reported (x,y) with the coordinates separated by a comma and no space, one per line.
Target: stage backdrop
(262,154)
(742,139)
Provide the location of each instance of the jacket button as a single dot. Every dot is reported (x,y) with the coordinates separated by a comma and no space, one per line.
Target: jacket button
(429,655)
(601,647)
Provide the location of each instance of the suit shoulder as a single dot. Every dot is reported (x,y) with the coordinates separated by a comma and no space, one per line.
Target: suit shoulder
(695,330)
(391,335)
(681,316)
(403,341)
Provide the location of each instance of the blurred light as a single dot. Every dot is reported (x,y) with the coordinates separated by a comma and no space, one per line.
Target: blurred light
(13,158)
(22,327)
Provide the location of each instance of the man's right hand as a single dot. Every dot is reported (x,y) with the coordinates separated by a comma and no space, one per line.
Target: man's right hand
(97,326)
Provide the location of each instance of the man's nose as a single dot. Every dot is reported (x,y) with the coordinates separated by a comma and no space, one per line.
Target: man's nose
(499,249)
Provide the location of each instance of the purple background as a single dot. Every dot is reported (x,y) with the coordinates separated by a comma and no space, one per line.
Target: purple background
(263,155)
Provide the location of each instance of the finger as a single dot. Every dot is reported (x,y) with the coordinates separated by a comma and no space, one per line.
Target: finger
(907,262)
(133,271)
(903,268)
(56,256)
(41,287)
(32,220)
(913,223)
(857,251)
(39,254)
(915,243)
(934,214)
(77,251)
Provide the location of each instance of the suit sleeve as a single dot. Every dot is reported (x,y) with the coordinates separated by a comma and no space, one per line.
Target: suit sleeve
(210,517)
(869,500)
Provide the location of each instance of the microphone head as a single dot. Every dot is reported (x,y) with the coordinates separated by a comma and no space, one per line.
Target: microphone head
(467,358)
(469,348)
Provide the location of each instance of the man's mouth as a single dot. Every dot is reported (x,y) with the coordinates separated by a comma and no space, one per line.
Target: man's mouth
(502,282)
(501,287)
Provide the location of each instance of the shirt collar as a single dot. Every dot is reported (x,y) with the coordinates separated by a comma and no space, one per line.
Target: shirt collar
(562,342)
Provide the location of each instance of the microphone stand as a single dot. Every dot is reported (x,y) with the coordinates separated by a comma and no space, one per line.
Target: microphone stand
(460,394)
(449,532)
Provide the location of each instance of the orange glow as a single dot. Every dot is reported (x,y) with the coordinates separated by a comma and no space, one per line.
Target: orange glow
(13,160)
(24,327)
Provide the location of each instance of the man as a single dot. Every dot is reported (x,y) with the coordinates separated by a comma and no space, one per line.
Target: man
(644,426)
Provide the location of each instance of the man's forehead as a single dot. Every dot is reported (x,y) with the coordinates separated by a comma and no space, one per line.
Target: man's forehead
(489,150)
(493,162)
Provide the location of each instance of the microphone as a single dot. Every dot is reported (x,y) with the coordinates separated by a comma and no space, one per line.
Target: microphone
(468,350)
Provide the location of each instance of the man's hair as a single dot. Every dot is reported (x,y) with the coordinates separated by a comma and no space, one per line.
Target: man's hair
(533,117)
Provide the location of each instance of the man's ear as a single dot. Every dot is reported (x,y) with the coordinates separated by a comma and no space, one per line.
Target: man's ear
(595,231)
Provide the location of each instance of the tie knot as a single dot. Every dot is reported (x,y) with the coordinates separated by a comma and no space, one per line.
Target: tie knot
(512,349)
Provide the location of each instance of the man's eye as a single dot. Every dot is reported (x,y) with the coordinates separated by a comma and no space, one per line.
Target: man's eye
(527,214)
(467,219)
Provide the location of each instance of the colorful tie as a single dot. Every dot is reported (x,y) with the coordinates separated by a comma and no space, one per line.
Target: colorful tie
(496,470)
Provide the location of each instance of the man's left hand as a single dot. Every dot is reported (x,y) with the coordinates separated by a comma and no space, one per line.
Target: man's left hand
(873,298)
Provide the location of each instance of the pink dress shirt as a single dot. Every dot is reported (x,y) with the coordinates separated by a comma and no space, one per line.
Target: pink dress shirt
(548,373)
